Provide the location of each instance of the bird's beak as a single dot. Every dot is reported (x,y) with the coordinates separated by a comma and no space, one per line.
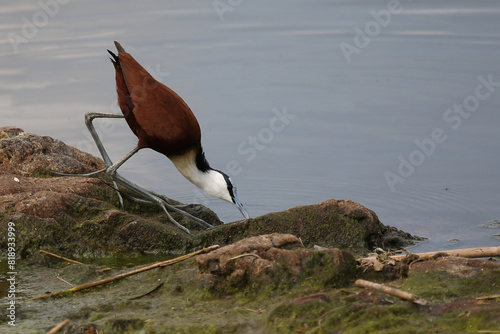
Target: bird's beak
(240,206)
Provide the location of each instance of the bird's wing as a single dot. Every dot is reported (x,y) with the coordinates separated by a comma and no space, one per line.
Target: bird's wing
(166,122)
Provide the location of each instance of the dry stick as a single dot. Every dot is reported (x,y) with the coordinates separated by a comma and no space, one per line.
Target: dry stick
(147,293)
(130,273)
(466,252)
(58,327)
(259,311)
(488,297)
(391,291)
(63,280)
(59,257)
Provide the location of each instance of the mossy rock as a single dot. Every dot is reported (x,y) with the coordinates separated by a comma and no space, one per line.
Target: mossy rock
(332,223)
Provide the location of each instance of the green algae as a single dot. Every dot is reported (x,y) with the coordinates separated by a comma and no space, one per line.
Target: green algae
(42,173)
(290,317)
(442,285)
(320,271)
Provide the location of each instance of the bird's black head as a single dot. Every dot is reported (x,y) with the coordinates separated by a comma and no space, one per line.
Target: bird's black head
(231,188)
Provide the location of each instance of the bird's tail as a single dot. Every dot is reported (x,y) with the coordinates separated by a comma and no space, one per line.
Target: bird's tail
(120,50)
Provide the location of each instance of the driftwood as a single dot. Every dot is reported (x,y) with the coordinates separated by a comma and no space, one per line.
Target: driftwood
(391,291)
(466,252)
(58,327)
(133,272)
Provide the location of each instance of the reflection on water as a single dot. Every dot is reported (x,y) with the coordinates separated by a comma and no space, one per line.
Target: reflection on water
(354,120)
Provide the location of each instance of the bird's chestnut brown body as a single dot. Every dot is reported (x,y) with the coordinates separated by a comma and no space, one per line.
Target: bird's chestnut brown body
(158,116)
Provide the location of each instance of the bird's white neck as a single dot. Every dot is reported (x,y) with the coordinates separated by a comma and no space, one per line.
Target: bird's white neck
(209,180)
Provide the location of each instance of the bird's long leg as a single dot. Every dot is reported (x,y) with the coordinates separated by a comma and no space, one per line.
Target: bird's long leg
(111,171)
(138,189)
(89,117)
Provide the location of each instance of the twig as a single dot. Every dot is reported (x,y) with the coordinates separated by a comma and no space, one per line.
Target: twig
(58,327)
(391,291)
(259,311)
(466,252)
(300,239)
(147,293)
(130,273)
(322,317)
(63,280)
(59,257)
(488,297)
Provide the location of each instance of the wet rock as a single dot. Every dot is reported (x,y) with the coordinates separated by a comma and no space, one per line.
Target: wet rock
(272,262)
(23,153)
(332,223)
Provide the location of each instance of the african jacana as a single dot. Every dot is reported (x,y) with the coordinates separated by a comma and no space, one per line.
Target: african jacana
(162,121)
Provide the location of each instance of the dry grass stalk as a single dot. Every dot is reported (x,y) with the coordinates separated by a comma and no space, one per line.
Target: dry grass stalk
(58,327)
(63,280)
(59,257)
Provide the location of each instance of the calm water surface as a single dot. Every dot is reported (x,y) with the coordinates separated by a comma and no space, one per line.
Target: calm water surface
(300,101)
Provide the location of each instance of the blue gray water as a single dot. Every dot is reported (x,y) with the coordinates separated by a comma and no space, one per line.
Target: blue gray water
(393,104)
